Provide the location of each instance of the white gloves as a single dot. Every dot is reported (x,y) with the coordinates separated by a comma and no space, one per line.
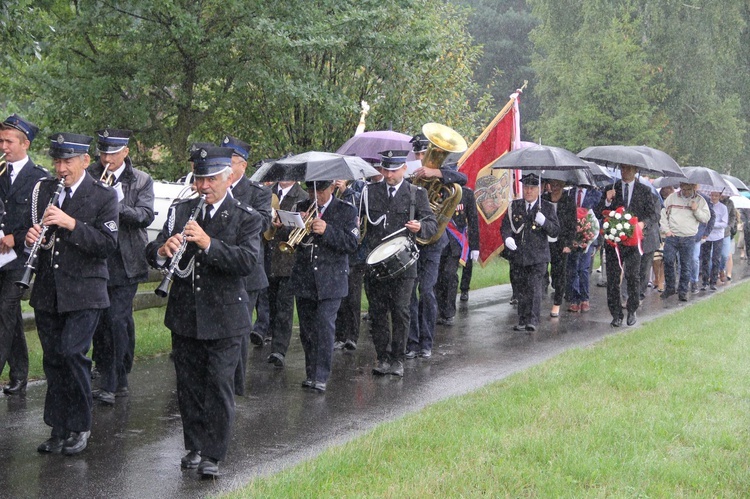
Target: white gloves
(475,255)
(510,243)
(540,218)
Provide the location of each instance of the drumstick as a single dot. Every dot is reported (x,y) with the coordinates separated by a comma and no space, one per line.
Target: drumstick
(401,229)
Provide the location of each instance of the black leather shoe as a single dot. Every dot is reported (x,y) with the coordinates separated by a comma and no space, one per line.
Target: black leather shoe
(104,396)
(276,359)
(683,298)
(15,387)
(530,327)
(191,460)
(76,443)
(122,392)
(667,293)
(616,322)
(519,327)
(397,369)
(632,318)
(53,445)
(448,321)
(208,468)
(464,296)
(440,321)
(319,386)
(308,383)
(350,345)
(256,339)
(383,368)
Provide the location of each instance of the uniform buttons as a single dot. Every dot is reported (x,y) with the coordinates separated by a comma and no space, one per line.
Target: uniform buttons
(316,256)
(197,289)
(197,264)
(57,253)
(56,265)
(197,276)
(315,268)
(57,239)
(240,298)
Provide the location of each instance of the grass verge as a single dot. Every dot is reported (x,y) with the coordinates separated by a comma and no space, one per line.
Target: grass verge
(659,411)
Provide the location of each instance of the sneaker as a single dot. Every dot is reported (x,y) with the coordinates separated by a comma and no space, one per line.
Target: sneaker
(464,296)
(410,354)
(338,345)
(425,354)
(382,368)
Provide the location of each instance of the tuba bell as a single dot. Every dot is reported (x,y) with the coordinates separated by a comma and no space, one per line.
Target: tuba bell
(297,235)
(444,198)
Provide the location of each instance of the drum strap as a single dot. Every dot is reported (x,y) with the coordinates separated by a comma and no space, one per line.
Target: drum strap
(413,197)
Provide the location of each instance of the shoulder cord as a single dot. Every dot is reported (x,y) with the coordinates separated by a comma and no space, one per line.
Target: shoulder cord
(365,198)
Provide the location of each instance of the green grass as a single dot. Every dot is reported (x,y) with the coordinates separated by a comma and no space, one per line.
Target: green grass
(659,411)
(153,339)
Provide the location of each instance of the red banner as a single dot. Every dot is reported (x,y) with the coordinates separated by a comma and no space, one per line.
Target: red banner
(493,188)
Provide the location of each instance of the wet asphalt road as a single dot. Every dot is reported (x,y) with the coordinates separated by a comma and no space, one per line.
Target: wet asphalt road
(135,447)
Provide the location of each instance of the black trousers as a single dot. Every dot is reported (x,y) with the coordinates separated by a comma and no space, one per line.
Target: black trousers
(350,312)
(389,296)
(13,349)
(205,391)
(114,337)
(241,369)
(466,276)
(66,338)
(558,271)
(631,266)
(447,282)
(529,280)
(281,305)
(317,326)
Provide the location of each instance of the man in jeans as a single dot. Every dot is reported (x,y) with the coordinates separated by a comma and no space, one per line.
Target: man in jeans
(683,212)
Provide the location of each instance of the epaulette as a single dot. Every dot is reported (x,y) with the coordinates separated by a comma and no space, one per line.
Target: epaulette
(48,179)
(41,169)
(349,203)
(256,184)
(245,207)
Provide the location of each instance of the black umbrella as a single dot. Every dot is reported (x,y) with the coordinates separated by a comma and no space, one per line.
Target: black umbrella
(647,159)
(706,178)
(739,184)
(579,176)
(313,165)
(538,157)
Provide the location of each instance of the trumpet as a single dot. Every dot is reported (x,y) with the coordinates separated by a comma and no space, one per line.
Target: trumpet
(298,234)
(3,164)
(107,178)
(163,289)
(28,268)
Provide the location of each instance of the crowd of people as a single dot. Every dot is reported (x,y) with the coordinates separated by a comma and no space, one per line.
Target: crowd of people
(234,271)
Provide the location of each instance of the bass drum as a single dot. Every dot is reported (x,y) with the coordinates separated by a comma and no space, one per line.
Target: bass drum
(392,257)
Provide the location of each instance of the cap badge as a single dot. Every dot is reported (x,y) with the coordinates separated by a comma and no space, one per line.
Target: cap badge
(60,139)
(203,153)
(105,134)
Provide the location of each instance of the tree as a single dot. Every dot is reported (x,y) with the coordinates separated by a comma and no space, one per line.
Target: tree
(284,76)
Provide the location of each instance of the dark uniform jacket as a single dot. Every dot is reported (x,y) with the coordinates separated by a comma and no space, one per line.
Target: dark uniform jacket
(211,302)
(17,201)
(530,237)
(282,263)
(72,275)
(566,216)
(396,213)
(256,196)
(136,214)
(465,217)
(641,205)
(321,269)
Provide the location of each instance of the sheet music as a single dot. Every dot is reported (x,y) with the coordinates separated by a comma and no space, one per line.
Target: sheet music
(291,218)
(6,257)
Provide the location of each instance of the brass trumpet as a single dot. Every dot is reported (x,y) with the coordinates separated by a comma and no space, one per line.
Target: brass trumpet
(107,178)
(271,231)
(299,234)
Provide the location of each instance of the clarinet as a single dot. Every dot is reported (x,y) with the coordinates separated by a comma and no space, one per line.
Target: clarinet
(29,268)
(163,289)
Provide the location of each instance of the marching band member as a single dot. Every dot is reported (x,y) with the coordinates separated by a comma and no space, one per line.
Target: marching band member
(525,228)
(320,276)
(390,206)
(258,197)
(16,184)
(70,289)
(207,309)
(114,340)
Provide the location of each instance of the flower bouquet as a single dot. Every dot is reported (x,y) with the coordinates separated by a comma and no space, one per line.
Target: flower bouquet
(621,227)
(587,229)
